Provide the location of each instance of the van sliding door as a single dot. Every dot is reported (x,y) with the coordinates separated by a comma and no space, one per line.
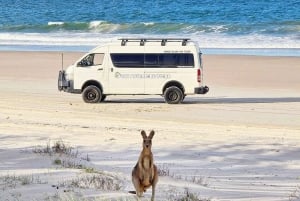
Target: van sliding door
(126,73)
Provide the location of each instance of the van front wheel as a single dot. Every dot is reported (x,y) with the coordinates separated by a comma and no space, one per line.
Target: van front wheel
(92,94)
(173,95)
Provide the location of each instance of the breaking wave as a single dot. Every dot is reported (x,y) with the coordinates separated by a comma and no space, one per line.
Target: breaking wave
(104,27)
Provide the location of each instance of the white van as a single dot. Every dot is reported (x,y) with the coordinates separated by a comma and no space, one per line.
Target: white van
(170,67)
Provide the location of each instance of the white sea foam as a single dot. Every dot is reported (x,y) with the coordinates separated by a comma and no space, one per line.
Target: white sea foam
(205,40)
(95,24)
(218,28)
(148,23)
(55,23)
(100,27)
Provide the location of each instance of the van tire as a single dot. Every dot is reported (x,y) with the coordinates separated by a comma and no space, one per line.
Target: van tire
(173,95)
(92,94)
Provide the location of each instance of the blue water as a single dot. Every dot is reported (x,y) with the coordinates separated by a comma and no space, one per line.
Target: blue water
(216,25)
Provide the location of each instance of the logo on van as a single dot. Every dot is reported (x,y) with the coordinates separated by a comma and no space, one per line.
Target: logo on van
(142,76)
(117,75)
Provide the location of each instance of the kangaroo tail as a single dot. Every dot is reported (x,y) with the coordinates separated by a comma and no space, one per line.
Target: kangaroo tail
(132,192)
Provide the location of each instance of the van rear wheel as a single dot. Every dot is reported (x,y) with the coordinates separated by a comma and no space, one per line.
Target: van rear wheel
(173,95)
(92,94)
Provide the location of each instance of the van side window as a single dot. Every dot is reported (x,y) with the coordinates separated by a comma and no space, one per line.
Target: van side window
(163,60)
(92,60)
(151,60)
(185,60)
(98,59)
(169,60)
(128,60)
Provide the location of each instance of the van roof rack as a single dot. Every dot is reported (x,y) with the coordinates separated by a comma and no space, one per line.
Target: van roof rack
(162,40)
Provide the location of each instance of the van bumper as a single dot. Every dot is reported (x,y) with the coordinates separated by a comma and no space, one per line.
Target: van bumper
(64,84)
(201,90)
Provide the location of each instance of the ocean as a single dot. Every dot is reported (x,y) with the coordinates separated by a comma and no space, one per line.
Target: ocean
(261,27)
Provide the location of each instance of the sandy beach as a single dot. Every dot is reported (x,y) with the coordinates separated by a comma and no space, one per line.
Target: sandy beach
(239,142)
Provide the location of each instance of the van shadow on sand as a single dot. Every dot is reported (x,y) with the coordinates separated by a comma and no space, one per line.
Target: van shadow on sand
(224,100)
(216,100)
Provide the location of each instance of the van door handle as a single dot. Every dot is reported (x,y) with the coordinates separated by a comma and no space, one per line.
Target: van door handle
(100,69)
(111,70)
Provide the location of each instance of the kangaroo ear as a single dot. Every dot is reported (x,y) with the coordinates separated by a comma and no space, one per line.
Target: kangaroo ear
(151,134)
(143,133)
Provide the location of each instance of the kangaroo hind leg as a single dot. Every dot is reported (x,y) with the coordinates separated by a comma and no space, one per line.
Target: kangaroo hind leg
(137,186)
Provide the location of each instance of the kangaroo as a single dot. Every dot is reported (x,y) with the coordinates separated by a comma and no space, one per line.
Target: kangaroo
(144,173)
